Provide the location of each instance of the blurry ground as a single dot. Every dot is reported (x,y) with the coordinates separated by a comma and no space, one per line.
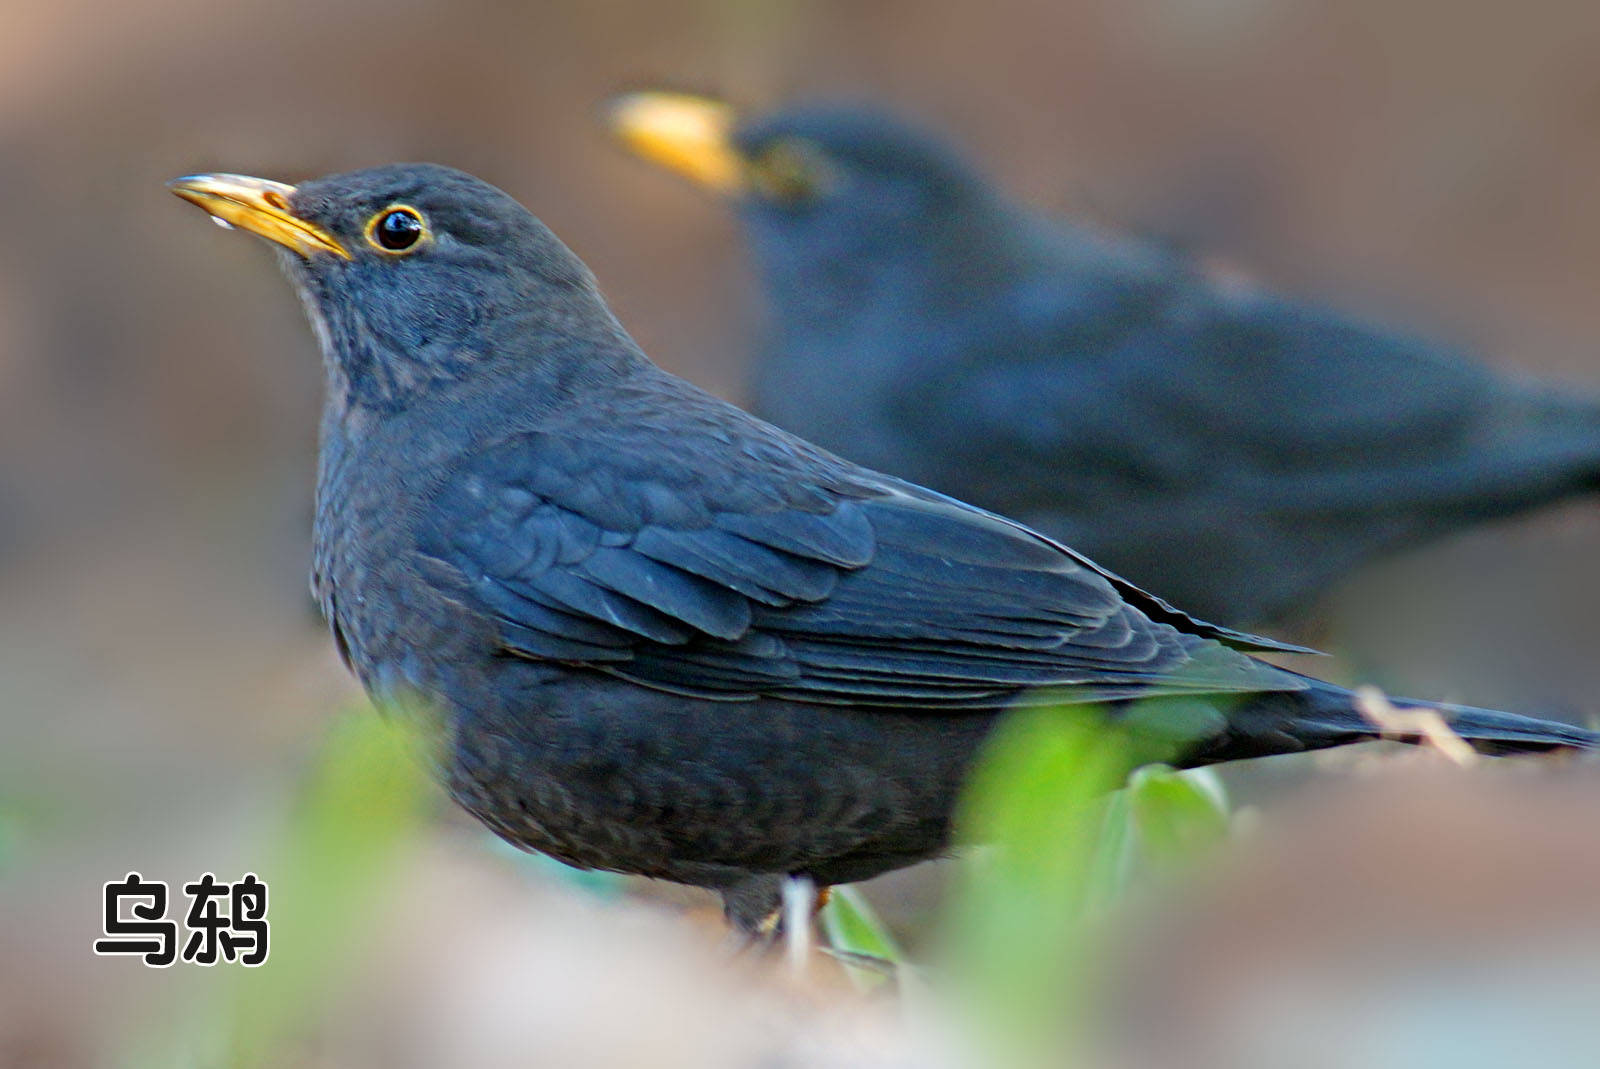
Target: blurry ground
(1411,919)
(161,671)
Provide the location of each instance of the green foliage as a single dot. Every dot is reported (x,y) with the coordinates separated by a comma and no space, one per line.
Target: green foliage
(1016,921)
(359,807)
(1178,817)
(1061,843)
(862,941)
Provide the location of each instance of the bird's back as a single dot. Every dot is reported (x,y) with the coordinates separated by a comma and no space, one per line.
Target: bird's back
(1233,449)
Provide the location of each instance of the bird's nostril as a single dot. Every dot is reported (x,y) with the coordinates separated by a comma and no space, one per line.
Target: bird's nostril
(276,199)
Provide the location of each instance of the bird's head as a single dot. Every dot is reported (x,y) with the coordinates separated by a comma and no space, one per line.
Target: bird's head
(820,183)
(413,274)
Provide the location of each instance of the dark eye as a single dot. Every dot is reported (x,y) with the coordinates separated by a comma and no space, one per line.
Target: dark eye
(396,229)
(791,170)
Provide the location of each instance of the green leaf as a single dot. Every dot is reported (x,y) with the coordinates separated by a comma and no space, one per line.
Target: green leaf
(1016,926)
(852,927)
(1113,861)
(1177,815)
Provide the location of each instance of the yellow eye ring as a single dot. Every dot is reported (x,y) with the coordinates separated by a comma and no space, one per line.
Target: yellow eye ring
(397,230)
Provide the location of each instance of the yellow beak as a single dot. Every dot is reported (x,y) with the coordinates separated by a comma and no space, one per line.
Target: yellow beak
(259,206)
(691,135)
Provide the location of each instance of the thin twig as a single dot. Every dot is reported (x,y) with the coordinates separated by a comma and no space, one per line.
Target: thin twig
(1425,726)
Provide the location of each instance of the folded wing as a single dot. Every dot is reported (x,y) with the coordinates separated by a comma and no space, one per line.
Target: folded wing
(846,588)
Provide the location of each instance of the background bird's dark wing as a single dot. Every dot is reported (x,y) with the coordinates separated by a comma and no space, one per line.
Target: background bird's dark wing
(1188,386)
(1234,448)
(735,564)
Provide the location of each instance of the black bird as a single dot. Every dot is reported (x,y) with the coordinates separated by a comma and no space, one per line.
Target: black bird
(1231,448)
(671,639)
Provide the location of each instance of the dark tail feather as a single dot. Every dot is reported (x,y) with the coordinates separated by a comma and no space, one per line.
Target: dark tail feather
(1335,710)
(1324,715)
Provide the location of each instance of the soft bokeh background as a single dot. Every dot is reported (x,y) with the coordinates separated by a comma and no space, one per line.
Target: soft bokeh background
(162,674)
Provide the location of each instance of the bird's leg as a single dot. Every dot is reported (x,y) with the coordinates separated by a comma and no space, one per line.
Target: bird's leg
(770,909)
(800,903)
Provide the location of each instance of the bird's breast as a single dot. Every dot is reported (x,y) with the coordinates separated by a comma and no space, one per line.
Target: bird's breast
(394,627)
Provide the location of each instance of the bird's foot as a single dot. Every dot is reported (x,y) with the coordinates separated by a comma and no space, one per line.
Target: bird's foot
(765,911)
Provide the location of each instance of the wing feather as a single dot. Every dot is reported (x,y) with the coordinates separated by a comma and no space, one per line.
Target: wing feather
(855,590)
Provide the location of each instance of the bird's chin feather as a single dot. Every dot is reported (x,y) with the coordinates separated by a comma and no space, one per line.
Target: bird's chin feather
(311,304)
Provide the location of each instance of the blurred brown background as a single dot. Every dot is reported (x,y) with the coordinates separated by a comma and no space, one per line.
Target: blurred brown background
(1426,162)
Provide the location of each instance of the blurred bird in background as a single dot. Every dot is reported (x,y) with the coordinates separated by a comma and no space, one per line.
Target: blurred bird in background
(1230,448)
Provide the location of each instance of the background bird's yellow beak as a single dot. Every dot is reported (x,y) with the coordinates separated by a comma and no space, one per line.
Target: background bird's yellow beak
(691,135)
(259,206)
